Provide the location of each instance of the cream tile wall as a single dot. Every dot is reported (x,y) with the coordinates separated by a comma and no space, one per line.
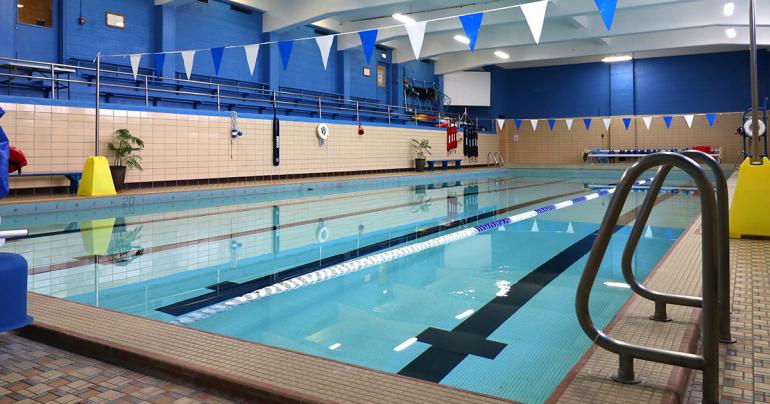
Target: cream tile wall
(563,146)
(181,147)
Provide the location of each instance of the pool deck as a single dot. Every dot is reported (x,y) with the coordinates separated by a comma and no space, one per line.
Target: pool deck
(242,370)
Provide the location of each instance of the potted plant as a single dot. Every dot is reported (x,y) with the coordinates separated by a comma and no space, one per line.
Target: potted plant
(123,145)
(422,147)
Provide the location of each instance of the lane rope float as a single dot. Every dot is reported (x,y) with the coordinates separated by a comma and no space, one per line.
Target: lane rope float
(383,257)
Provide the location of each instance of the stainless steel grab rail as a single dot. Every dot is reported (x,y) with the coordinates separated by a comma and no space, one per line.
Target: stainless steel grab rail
(627,352)
(502,161)
(723,249)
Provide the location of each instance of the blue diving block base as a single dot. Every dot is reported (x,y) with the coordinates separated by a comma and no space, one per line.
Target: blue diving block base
(73,177)
(444,164)
(13,292)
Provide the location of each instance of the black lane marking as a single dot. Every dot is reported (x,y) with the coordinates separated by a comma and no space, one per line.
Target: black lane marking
(435,363)
(221,285)
(239,289)
(461,342)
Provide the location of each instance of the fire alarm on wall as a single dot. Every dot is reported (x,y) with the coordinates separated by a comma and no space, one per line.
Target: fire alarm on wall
(82,20)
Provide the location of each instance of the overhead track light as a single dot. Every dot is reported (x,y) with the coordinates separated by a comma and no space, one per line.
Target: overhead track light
(462,39)
(618,58)
(502,55)
(403,18)
(728,9)
(731,33)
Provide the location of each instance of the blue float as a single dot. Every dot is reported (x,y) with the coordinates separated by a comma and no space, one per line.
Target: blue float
(13,268)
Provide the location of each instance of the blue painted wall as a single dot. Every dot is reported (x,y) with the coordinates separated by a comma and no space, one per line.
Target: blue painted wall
(306,70)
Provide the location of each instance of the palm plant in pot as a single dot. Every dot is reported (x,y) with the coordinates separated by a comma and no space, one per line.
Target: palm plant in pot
(124,145)
(422,148)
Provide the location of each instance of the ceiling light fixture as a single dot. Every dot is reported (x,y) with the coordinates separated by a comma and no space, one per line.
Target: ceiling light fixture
(731,33)
(462,39)
(618,58)
(403,18)
(728,9)
(20,5)
(502,55)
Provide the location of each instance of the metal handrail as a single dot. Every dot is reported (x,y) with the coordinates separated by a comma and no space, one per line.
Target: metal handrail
(502,161)
(145,83)
(723,249)
(627,352)
(493,156)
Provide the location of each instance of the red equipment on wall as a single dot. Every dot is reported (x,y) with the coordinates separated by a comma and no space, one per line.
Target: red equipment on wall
(16,160)
(451,137)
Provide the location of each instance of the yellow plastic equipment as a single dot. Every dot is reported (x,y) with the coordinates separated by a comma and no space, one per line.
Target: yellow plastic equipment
(96,235)
(97,180)
(749,214)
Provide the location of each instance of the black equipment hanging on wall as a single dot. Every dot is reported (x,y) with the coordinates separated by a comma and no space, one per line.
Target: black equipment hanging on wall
(276,135)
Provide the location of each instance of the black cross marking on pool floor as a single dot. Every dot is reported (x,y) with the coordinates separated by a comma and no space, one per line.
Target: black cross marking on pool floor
(449,348)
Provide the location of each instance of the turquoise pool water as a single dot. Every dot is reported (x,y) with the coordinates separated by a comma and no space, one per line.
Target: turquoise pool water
(493,313)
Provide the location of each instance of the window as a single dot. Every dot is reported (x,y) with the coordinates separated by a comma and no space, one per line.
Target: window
(381,76)
(35,12)
(115,20)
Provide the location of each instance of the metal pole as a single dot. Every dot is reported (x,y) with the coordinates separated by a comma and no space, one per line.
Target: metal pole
(53,81)
(320,115)
(219,107)
(146,91)
(98,106)
(388,114)
(755,156)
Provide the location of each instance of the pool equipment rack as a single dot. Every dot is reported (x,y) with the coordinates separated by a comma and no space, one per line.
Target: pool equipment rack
(715,267)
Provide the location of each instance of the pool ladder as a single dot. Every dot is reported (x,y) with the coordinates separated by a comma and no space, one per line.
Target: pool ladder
(715,301)
(495,159)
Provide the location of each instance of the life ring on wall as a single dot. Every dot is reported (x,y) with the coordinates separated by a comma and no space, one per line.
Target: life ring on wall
(322,234)
(322,131)
(747,128)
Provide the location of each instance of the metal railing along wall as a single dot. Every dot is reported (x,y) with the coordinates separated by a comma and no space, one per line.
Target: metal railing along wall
(708,362)
(150,87)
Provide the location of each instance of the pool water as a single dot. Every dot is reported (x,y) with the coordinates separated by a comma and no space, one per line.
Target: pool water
(493,313)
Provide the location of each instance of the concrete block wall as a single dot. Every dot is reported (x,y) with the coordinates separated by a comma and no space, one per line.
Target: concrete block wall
(186,146)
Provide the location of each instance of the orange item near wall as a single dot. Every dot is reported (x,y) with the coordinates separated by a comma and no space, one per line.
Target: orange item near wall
(451,137)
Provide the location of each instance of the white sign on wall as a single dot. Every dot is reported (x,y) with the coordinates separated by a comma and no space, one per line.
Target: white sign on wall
(471,89)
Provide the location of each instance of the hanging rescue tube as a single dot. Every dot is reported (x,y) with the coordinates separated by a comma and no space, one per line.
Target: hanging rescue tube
(322,234)
(747,128)
(322,131)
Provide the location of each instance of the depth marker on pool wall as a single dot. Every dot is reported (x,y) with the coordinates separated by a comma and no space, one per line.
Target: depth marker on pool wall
(383,257)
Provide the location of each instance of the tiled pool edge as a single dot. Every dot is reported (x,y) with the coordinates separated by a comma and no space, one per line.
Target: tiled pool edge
(674,390)
(222,364)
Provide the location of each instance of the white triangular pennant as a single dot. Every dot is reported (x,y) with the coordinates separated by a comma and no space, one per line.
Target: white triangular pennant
(135,59)
(416,33)
(534,124)
(607,123)
(647,121)
(570,230)
(325,46)
(501,228)
(251,56)
(535,228)
(569,123)
(187,58)
(648,233)
(500,123)
(534,13)
(689,119)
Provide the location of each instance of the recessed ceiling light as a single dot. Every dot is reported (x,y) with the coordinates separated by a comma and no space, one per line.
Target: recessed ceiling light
(502,55)
(403,18)
(618,58)
(20,5)
(731,33)
(462,39)
(728,9)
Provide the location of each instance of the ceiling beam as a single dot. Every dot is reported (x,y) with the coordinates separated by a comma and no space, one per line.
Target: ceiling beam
(285,14)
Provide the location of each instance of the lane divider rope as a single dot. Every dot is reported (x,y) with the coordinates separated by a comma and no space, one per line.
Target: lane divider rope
(383,257)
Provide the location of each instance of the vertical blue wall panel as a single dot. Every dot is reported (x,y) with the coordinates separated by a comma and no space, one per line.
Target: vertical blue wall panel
(306,69)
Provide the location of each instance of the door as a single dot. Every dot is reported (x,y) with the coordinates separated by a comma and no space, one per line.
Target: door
(382,83)
(37,25)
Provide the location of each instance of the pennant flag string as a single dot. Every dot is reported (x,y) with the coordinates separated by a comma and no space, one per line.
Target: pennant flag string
(135,59)
(647,121)
(251,56)
(471,25)
(325,46)
(501,123)
(284,48)
(216,57)
(552,123)
(627,122)
(518,123)
(188,57)
(368,40)
(160,59)
(416,32)
(569,123)
(534,13)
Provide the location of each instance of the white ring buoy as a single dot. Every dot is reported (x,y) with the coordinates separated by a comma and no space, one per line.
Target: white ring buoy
(747,127)
(322,234)
(323,131)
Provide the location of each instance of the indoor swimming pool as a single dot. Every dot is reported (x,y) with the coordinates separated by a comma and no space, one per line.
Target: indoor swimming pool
(492,313)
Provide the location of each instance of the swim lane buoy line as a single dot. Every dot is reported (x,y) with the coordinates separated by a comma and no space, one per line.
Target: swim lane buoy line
(322,131)
(383,257)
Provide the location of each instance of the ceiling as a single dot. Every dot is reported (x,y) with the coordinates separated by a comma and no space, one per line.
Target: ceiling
(573,31)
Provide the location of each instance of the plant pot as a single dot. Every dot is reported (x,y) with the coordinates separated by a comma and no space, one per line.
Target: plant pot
(419,164)
(118,177)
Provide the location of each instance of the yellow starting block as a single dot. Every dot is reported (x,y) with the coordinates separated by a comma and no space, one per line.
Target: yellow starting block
(97,179)
(749,215)
(96,235)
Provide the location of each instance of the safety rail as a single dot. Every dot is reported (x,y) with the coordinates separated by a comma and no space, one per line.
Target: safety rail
(710,228)
(221,94)
(496,157)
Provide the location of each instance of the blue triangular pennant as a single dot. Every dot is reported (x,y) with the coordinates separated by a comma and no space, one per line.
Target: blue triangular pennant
(668,119)
(587,121)
(551,123)
(518,123)
(285,47)
(607,10)
(471,24)
(627,122)
(368,39)
(216,56)
(712,118)
(160,58)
